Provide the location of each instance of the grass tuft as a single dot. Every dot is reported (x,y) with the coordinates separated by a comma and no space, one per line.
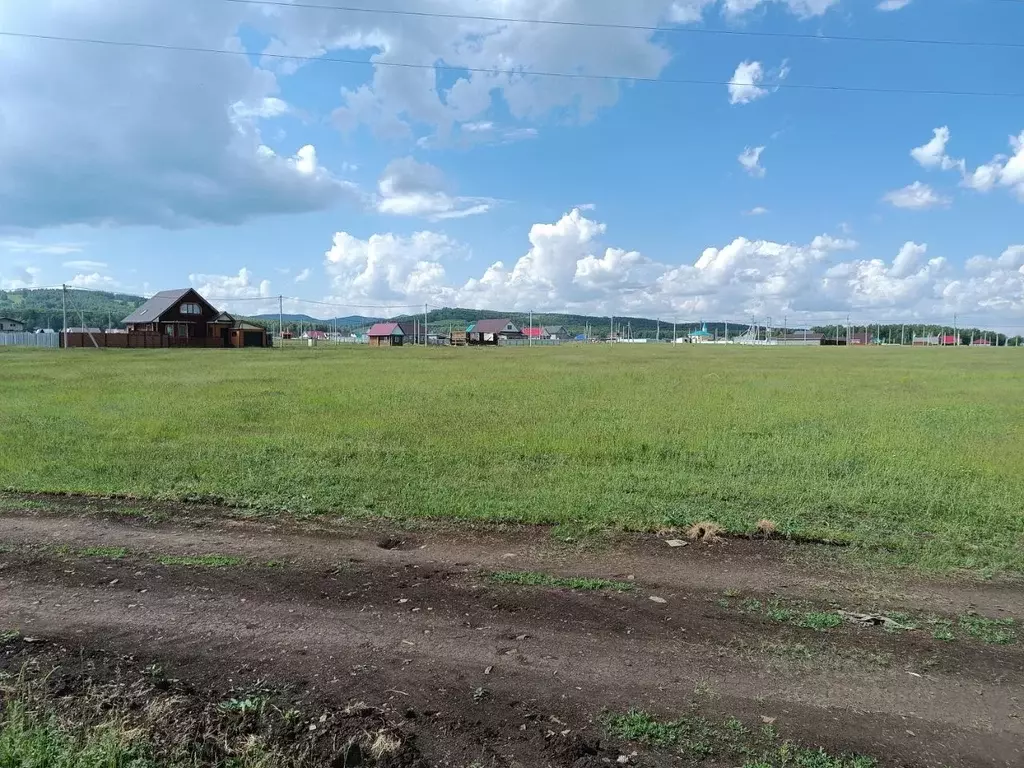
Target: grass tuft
(384,745)
(765,528)
(992,631)
(697,738)
(204,561)
(819,620)
(706,531)
(110,553)
(535,579)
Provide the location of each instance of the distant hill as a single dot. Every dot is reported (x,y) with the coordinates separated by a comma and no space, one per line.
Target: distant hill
(351,321)
(41,307)
(287,318)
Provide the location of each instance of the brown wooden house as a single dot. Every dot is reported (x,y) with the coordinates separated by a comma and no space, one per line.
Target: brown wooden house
(183,318)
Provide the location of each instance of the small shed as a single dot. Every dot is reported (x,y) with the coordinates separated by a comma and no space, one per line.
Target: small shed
(391,334)
(703,336)
(491,331)
(244,334)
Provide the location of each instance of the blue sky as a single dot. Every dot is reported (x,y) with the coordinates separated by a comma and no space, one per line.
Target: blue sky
(371,185)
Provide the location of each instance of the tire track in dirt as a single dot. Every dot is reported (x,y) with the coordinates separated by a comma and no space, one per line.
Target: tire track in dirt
(761,566)
(335,619)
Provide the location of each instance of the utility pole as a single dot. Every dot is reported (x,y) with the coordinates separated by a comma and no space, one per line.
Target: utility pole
(903,335)
(64,312)
(424,324)
(956,335)
(280,320)
(848,340)
(611,329)
(726,331)
(530,342)
(675,339)
(659,330)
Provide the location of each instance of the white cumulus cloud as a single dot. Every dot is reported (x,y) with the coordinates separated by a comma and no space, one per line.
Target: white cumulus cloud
(748,82)
(750,159)
(411,188)
(94,281)
(893,5)
(802,8)
(99,135)
(15,278)
(390,269)
(224,292)
(933,154)
(917,196)
(1003,170)
(568,267)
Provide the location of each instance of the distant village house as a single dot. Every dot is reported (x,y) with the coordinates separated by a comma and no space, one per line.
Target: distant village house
(492,331)
(10,325)
(392,334)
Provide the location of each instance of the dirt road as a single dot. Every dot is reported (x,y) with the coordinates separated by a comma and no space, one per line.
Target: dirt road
(477,669)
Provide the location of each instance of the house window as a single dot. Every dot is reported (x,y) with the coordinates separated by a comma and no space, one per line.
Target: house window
(191,309)
(170,330)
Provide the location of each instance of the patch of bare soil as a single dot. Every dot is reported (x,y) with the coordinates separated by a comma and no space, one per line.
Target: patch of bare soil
(464,671)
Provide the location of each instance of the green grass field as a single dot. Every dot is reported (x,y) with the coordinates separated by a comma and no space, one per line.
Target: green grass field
(917,453)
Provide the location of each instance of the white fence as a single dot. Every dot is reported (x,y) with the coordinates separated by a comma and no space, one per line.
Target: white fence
(44,340)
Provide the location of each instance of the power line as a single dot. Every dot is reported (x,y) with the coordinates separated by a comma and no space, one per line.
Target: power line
(632,27)
(513,72)
(312,301)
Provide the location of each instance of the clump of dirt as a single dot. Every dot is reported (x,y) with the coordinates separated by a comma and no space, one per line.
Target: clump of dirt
(579,752)
(171,720)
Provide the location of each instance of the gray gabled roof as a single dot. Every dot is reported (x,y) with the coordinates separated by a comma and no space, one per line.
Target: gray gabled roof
(160,302)
(492,326)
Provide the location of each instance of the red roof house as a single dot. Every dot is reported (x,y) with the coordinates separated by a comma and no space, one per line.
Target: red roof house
(534,333)
(392,334)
